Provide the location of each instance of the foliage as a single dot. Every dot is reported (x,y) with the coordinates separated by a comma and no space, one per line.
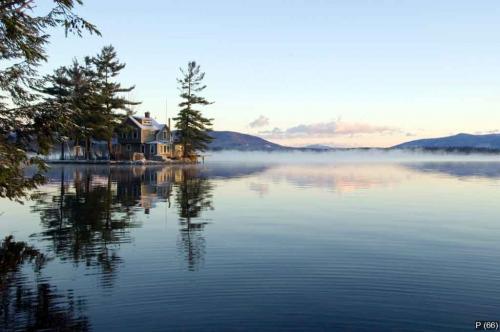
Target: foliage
(38,308)
(13,254)
(72,87)
(94,97)
(110,102)
(193,127)
(24,118)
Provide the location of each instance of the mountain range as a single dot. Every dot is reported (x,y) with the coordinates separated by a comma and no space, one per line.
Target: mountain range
(230,140)
(459,141)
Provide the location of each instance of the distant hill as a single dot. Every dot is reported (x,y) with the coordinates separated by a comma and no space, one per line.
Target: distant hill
(460,141)
(317,147)
(230,140)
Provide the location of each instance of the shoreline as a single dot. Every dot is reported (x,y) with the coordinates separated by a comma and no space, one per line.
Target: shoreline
(121,162)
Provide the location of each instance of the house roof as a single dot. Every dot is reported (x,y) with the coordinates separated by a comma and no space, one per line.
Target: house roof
(137,120)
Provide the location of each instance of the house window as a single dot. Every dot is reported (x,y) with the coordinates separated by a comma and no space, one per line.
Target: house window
(142,148)
(128,147)
(165,135)
(136,134)
(152,148)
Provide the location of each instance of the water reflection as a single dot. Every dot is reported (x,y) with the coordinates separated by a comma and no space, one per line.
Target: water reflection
(193,196)
(85,220)
(88,212)
(91,211)
(459,169)
(352,232)
(34,306)
(349,177)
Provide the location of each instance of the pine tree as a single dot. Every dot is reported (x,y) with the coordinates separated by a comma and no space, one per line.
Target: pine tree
(74,88)
(84,99)
(23,117)
(58,92)
(193,127)
(111,103)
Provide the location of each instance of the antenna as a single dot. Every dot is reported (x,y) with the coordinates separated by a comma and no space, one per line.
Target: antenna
(167,120)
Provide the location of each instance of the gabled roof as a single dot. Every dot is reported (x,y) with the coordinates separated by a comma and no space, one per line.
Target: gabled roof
(137,120)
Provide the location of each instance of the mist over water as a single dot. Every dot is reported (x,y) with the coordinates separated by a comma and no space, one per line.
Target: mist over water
(348,240)
(343,156)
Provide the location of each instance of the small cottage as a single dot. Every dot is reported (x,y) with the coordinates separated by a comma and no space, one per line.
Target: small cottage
(144,137)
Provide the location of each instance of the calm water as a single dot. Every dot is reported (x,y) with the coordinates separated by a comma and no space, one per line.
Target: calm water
(373,246)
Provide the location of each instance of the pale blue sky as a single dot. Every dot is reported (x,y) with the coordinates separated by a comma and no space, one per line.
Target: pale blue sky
(350,73)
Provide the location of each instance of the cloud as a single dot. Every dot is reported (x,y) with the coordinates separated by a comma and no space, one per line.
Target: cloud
(486,132)
(261,121)
(327,129)
(322,128)
(346,128)
(275,131)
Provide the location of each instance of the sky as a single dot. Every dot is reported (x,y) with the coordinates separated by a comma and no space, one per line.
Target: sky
(340,73)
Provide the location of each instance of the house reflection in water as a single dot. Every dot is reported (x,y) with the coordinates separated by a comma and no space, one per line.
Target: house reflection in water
(184,187)
(191,192)
(84,221)
(144,186)
(92,210)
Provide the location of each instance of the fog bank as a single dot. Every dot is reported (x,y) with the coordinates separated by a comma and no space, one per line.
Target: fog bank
(354,155)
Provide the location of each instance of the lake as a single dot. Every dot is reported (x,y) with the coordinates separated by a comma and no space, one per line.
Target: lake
(259,242)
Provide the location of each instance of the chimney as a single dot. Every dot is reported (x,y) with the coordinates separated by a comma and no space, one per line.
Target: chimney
(169,128)
(147,114)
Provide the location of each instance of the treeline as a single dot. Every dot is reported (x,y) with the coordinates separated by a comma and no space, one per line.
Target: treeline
(94,99)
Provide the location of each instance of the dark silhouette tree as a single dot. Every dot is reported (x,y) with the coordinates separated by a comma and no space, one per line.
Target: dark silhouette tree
(34,308)
(193,128)
(23,116)
(110,102)
(75,88)
(58,90)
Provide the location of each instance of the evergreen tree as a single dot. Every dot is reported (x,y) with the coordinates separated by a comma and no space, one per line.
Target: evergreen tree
(23,118)
(74,88)
(58,92)
(90,118)
(111,103)
(193,128)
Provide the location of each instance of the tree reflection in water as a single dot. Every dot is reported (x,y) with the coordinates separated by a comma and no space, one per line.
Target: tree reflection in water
(192,196)
(28,306)
(87,222)
(92,210)
(86,214)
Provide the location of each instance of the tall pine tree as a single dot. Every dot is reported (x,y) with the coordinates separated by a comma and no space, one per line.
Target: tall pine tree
(111,103)
(75,88)
(192,126)
(84,99)
(59,92)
